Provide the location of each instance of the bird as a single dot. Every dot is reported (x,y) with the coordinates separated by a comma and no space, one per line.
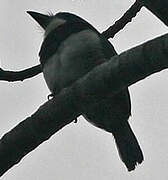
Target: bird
(71,48)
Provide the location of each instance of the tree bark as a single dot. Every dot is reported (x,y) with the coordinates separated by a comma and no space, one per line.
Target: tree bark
(108,78)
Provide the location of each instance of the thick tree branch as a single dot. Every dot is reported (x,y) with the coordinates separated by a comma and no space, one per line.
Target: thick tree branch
(108,78)
(20,75)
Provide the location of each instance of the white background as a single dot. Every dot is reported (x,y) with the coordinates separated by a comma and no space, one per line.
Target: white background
(81,151)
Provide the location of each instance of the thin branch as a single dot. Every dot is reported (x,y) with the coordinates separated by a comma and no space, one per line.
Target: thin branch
(108,78)
(126,18)
(20,75)
(158,7)
(109,33)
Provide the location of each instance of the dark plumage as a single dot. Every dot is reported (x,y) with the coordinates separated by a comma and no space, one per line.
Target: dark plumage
(71,48)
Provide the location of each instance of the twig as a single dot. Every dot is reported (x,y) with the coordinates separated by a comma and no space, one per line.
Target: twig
(20,75)
(12,76)
(126,18)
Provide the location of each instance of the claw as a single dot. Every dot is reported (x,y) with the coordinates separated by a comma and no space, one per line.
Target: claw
(75,120)
(50,96)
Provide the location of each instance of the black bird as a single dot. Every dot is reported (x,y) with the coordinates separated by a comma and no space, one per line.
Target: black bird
(71,48)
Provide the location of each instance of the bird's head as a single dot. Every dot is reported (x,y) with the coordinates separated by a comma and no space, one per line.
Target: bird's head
(50,22)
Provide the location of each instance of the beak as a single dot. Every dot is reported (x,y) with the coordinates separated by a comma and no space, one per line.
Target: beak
(42,19)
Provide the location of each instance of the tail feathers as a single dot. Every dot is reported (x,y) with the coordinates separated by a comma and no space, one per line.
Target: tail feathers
(128,147)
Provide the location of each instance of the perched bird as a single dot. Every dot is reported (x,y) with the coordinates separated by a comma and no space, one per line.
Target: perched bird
(71,48)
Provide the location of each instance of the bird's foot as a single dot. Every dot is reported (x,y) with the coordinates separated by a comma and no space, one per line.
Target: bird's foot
(50,96)
(75,120)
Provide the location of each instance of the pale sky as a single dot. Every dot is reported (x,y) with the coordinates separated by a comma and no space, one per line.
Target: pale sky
(81,151)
